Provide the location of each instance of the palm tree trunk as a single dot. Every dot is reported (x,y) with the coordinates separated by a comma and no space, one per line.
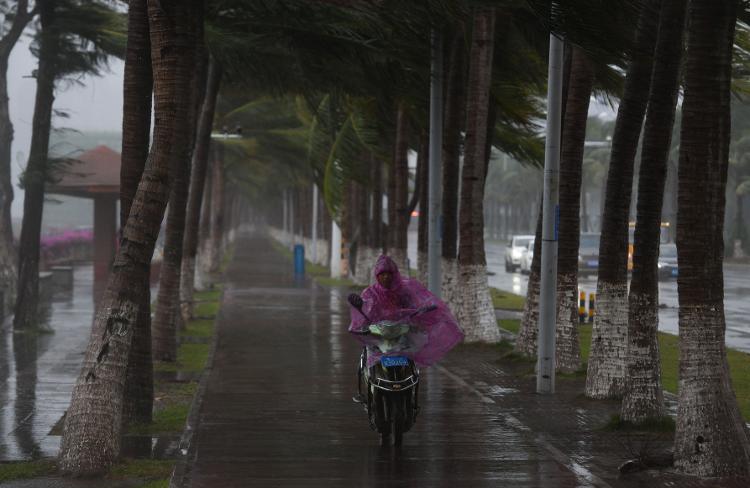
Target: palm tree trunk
(476,315)
(422,190)
(606,366)
(452,127)
(365,258)
(91,438)
(376,233)
(167,317)
(526,342)
(197,185)
(204,228)
(136,130)
(568,357)
(398,191)
(739,222)
(36,173)
(216,230)
(711,438)
(643,397)
(7,249)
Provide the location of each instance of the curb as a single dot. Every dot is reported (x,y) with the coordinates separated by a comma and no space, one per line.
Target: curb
(181,474)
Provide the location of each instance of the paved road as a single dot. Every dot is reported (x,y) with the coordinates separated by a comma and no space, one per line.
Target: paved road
(277,409)
(736,293)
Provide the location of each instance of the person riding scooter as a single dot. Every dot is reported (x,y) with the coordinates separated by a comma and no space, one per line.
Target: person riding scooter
(403,327)
(392,295)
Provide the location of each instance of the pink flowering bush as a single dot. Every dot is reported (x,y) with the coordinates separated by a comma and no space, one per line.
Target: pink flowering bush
(66,246)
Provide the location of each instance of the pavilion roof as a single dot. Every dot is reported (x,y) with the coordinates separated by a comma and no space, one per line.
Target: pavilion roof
(92,173)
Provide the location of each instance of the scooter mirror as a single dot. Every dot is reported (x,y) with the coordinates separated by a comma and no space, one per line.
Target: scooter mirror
(355,301)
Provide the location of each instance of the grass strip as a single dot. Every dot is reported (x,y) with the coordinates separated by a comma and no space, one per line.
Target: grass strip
(26,470)
(506,300)
(669,351)
(149,469)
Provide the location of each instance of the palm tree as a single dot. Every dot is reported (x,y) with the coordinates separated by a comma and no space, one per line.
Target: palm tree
(75,37)
(476,315)
(36,170)
(526,342)
(643,397)
(711,437)
(168,315)
(91,437)
(568,357)
(421,186)
(216,230)
(739,181)
(197,185)
(606,365)
(398,190)
(454,119)
(14,25)
(136,134)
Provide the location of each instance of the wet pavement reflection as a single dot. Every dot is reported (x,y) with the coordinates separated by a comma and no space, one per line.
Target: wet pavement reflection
(38,370)
(278,411)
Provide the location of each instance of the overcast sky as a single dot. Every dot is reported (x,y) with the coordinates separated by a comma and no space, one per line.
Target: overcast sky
(95,105)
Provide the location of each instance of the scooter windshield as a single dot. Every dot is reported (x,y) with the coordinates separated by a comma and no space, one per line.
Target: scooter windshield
(431,334)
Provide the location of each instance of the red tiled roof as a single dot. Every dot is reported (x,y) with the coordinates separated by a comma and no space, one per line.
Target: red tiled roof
(93,172)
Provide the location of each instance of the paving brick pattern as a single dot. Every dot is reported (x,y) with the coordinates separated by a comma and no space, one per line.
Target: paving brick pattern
(277,410)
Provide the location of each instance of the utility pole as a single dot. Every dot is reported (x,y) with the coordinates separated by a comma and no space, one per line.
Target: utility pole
(545,376)
(435,210)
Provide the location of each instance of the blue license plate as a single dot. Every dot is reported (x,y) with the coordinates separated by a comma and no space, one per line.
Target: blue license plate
(393,361)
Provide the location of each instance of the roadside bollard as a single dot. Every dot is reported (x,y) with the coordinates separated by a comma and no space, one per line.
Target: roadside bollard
(582,307)
(299,259)
(592,307)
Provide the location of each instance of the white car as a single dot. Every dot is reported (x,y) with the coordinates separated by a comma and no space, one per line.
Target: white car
(514,251)
(527,258)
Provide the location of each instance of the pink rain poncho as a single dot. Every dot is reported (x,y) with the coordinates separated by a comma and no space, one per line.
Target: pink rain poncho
(436,332)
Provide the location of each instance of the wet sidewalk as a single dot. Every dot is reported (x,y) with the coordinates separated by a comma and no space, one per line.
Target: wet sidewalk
(277,409)
(38,371)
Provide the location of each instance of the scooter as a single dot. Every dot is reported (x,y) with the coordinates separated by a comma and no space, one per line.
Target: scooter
(391,400)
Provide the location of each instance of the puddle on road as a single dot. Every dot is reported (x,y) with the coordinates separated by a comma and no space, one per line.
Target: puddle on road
(499,391)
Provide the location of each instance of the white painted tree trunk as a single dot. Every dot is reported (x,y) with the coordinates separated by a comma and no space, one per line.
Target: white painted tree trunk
(449,275)
(643,396)
(476,313)
(366,257)
(335,251)
(711,438)
(567,348)
(605,377)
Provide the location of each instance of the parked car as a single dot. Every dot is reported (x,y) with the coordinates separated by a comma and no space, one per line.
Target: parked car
(527,257)
(667,261)
(514,251)
(588,253)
